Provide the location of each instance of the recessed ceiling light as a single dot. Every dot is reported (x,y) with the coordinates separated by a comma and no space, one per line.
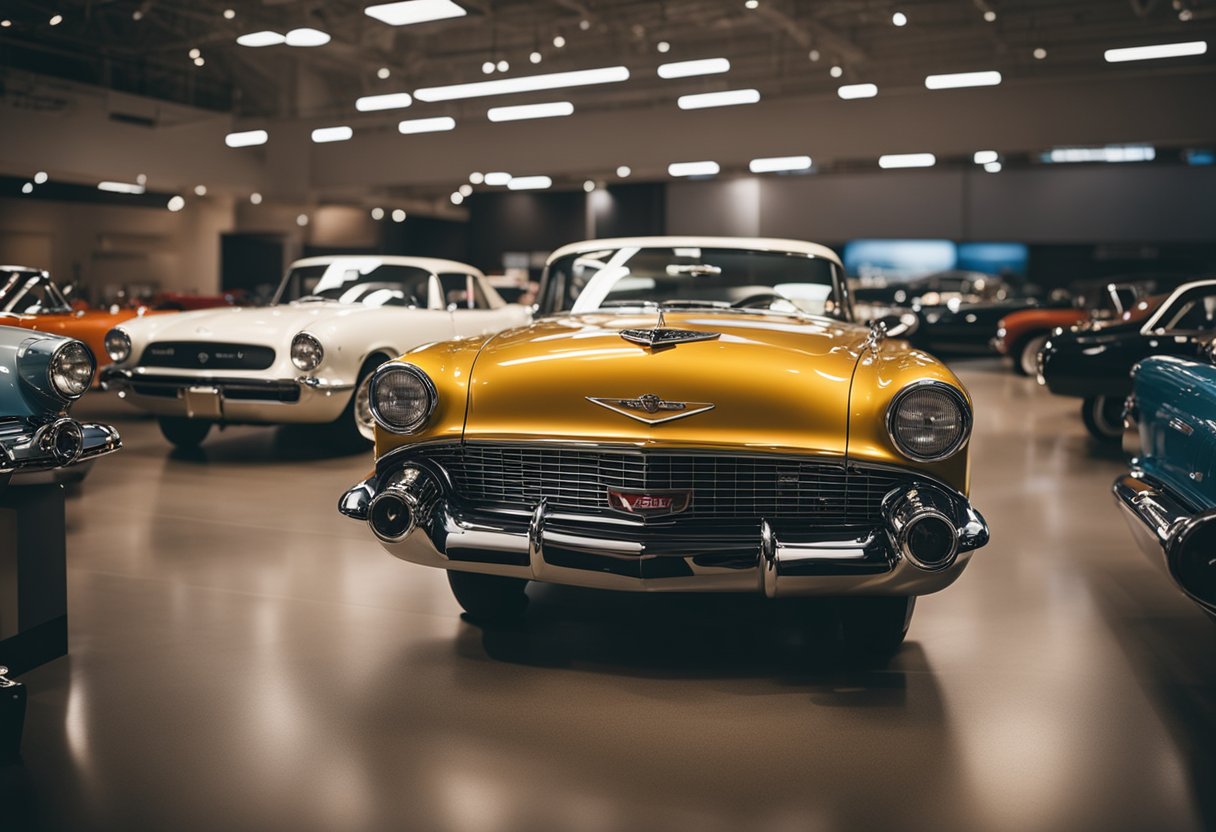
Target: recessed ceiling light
(383,73)
(663,46)
(27,188)
(813,55)
(476,178)
(529,183)
(141,178)
(120,187)
(497,178)
(398,215)
(983,157)
(229,14)
(535,57)
(851,91)
(526,111)
(503,66)
(387,101)
(466,189)
(409,12)
(487,68)
(778,164)
(589,185)
(255,198)
(194,53)
(527,83)
(993,167)
(176,203)
(302,220)
(990,16)
(899,19)
(377,213)
(688,69)
(1160,50)
(624,171)
(247,138)
(584,24)
(693,168)
(559,41)
(200,190)
(6,23)
(322,135)
(727,98)
(836,72)
(307,37)
(752,4)
(199,61)
(907,160)
(136,15)
(40,177)
(263,38)
(956,80)
(426,125)
(56,19)
(457,197)
(1040,53)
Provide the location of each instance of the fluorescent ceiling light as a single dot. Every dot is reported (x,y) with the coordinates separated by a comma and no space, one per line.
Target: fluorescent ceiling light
(529,183)
(907,160)
(963,79)
(1111,153)
(120,187)
(307,37)
(414,11)
(1161,50)
(985,157)
(688,69)
(992,167)
(693,168)
(851,91)
(528,83)
(497,179)
(728,98)
(248,138)
(387,101)
(777,164)
(266,38)
(427,125)
(526,111)
(332,134)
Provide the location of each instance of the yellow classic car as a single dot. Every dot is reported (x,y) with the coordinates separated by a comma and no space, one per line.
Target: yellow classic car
(694,415)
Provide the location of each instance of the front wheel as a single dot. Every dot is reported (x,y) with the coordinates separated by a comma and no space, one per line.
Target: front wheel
(489,599)
(1026,362)
(875,626)
(184,433)
(1103,417)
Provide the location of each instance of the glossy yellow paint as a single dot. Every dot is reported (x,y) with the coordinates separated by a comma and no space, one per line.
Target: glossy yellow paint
(776,383)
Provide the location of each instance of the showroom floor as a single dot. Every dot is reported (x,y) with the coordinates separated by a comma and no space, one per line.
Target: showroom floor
(245,658)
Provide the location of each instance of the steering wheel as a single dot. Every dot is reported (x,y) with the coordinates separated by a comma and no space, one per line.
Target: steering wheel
(759,299)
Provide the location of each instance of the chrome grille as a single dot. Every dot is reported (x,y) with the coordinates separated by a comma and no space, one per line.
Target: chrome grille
(738,488)
(203,355)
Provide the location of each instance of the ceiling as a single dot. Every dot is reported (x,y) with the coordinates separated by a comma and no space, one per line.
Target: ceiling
(783,48)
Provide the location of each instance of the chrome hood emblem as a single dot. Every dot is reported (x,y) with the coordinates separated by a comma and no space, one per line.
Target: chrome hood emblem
(663,336)
(651,409)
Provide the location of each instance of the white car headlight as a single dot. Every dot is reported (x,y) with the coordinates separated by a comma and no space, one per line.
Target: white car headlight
(118,345)
(402,397)
(929,421)
(70,371)
(306,352)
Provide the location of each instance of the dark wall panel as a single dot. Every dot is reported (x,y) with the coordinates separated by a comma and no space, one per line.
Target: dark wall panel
(630,210)
(426,237)
(523,221)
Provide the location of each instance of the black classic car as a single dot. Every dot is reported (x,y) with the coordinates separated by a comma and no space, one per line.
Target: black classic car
(1094,363)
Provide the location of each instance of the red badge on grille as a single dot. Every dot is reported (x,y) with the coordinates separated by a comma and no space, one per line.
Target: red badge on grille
(650,503)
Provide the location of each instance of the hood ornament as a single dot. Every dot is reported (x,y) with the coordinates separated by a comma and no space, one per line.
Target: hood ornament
(662,337)
(651,409)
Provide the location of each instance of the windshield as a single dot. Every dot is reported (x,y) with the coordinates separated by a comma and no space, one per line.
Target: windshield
(363,280)
(624,277)
(30,293)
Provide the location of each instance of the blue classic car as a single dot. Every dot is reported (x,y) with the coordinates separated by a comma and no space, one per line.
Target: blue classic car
(40,377)
(1169,496)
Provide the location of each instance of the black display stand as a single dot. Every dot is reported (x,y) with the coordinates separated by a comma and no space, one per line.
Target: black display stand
(33,577)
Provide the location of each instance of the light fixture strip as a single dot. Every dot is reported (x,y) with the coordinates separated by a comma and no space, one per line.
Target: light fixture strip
(120,187)
(693,168)
(247,138)
(528,83)
(426,125)
(957,80)
(1156,51)
(529,183)
(726,98)
(907,160)
(385,101)
(779,164)
(332,134)
(690,69)
(851,91)
(521,112)
(409,12)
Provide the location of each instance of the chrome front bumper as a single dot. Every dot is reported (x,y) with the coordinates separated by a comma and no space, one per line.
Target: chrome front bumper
(27,450)
(1172,534)
(589,552)
(234,399)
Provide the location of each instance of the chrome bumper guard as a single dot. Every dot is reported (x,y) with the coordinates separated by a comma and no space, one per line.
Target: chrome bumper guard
(56,444)
(416,520)
(1172,534)
(286,390)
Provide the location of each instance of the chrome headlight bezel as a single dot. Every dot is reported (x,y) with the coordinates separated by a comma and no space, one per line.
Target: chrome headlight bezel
(116,339)
(954,394)
(304,361)
(55,371)
(428,386)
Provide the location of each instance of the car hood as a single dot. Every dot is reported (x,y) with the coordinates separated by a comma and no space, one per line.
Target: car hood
(537,381)
(269,325)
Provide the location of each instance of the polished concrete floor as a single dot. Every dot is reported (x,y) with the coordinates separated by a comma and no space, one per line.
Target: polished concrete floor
(244,658)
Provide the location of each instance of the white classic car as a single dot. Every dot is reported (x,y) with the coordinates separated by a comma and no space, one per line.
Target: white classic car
(308,357)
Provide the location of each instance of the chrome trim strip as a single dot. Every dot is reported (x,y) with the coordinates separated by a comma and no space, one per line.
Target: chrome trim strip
(608,403)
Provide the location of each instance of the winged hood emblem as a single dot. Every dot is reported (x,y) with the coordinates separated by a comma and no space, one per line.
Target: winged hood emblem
(651,409)
(663,336)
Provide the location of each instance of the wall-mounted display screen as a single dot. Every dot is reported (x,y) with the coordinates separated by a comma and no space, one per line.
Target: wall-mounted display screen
(895,261)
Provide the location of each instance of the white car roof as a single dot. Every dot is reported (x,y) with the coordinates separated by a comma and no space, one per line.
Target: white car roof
(434,265)
(756,243)
(1152,322)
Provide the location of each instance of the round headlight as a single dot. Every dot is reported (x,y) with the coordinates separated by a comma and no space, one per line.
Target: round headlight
(402,397)
(71,370)
(306,352)
(929,422)
(118,345)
